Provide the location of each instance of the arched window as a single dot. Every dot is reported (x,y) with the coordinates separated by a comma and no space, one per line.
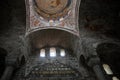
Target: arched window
(115,78)
(62,52)
(107,69)
(52,52)
(42,53)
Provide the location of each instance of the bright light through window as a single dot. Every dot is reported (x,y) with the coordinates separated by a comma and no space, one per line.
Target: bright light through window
(62,52)
(107,69)
(42,53)
(52,52)
(115,78)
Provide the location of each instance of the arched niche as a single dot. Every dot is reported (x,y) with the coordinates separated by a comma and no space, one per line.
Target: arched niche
(82,60)
(22,61)
(109,53)
(52,37)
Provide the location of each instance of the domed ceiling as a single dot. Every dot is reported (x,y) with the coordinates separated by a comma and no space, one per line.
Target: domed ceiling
(52,14)
(52,9)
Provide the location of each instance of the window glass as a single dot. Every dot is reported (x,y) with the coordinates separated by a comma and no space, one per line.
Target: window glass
(62,52)
(42,53)
(107,69)
(115,78)
(52,52)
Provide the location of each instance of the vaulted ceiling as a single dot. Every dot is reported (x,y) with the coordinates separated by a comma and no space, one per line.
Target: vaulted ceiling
(99,16)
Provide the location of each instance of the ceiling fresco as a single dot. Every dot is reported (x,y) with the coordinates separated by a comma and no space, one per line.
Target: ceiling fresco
(52,14)
(52,9)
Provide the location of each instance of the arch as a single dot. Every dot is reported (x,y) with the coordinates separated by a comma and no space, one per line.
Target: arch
(51,28)
(69,24)
(52,37)
(109,53)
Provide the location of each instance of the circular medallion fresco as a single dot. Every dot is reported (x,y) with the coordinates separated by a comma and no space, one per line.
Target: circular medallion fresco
(52,9)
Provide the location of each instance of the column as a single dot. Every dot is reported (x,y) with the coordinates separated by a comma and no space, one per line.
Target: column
(11,65)
(7,73)
(94,63)
(98,72)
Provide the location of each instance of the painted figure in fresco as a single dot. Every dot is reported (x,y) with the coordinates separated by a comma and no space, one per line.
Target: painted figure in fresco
(52,9)
(54,3)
